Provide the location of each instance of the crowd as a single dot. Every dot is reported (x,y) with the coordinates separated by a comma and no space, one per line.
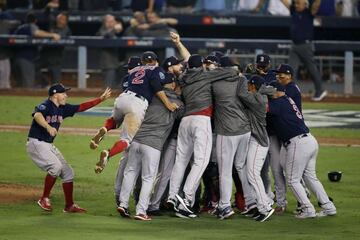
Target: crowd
(194,119)
(27,62)
(269,7)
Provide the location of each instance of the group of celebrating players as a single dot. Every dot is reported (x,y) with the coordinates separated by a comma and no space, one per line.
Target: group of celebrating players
(193,119)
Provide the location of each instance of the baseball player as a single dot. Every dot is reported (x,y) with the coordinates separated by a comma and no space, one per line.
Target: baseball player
(299,151)
(174,66)
(47,118)
(284,74)
(232,127)
(195,135)
(130,107)
(256,101)
(145,151)
(263,68)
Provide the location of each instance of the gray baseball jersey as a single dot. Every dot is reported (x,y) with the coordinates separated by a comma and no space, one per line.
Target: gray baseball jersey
(196,87)
(230,117)
(158,122)
(256,103)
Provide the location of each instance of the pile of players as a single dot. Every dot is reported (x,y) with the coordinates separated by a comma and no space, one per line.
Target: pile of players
(196,118)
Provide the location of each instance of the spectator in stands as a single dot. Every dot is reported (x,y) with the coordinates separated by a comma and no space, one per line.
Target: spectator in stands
(51,56)
(302,34)
(251,6)
(109,60)
(180,6)
(345,8)
(153,27)
(327,8)
(210,5)
(7,24)
(25,56)
(142,5)
(277,8)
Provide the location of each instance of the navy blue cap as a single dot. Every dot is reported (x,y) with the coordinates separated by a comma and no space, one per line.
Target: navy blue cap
(171,61)
(195,61)
(226,61)
(285,68)
(262,60)
(57,88)
(212,59)
(169,78)
(257,80)
(149,55)
(278,86)
(133,62)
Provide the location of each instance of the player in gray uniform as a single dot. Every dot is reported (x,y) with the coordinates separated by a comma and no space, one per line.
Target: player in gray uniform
(195,134)
(232,127)
(145,151)
(256,101)
(175,66)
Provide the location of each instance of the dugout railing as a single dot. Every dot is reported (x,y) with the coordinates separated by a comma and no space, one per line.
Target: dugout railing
(345,48)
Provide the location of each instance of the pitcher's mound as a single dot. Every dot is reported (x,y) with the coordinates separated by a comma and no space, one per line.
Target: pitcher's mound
(14,193)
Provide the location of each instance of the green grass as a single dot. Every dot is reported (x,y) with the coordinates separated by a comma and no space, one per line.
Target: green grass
(95,192)
(17,110)
(332,106)
(346,133)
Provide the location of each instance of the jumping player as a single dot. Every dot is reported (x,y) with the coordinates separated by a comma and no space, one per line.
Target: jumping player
(46,123)
(130,107)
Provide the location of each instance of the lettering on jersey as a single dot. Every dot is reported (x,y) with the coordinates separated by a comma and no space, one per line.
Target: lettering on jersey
(298,113)
(138,77)
(54,119)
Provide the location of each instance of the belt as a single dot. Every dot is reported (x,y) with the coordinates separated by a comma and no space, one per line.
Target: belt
(287,143)
(135,94)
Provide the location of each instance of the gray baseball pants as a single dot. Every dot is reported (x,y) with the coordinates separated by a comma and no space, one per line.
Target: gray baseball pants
(195,136)
(145,159)
(232,151)
(300,162)
(48,158)
(163,177)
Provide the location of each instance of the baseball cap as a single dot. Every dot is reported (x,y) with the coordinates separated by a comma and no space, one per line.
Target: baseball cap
(169,78)
(171,61)
(149,55)
(257,80)
(278,86)
(285,68)
(57,88)
(262,60)
(133,62)
(195,61)
(212,59)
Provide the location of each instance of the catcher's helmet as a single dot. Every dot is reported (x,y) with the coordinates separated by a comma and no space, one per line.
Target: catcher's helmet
(334,176)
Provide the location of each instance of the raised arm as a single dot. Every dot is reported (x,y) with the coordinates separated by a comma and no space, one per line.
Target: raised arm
(315,7)
(287,3)
(89,104)
(175,38)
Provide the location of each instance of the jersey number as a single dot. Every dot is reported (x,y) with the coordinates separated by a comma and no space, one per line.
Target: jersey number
(298,113)
(138,77)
